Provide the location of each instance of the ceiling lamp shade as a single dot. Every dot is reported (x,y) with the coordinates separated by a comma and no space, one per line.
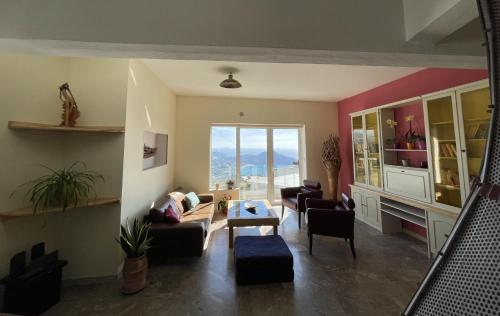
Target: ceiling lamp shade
(230,83)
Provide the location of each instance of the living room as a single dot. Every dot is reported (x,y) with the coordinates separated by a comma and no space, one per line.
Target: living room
(224,153)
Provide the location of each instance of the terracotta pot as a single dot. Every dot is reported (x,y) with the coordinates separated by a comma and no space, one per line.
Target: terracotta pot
(410,145)
(135,271)
(333,180)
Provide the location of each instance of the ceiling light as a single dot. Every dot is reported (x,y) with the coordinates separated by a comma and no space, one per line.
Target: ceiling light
(230,83)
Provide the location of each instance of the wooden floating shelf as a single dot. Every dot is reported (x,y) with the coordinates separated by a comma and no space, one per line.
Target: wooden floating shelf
(28,211)
(442,123)
(57,128)
(417,150)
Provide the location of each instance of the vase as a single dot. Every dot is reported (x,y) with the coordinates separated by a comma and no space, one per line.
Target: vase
(410,146)
(333,180)
(421,145)
(135,272)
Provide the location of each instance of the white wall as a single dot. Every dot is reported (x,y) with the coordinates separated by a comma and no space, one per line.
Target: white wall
(29,92)
(151,106)
(198,113)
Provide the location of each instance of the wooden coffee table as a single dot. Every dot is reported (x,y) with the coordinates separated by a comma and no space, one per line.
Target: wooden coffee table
(238,216)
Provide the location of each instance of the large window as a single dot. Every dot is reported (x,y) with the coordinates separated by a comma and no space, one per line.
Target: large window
(222,155)
(259,159)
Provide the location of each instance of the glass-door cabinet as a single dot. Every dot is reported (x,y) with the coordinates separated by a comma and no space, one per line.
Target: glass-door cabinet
(445,149)
(474,116)
(366,149)
(458,124)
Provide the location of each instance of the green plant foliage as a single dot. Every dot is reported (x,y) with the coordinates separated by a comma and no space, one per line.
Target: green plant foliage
(67,187)
(134,240)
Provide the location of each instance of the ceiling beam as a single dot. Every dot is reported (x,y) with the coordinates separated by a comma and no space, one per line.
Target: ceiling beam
(430,21)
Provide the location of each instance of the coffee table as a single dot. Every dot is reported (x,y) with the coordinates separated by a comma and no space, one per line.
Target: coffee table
(238,216)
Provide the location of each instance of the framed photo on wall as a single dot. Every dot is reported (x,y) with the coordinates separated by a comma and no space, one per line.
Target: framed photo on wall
(155,150)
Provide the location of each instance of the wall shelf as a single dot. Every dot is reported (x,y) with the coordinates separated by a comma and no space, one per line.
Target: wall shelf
(50,127)
(28,211)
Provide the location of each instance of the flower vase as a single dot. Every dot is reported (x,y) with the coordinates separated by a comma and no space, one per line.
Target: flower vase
(333,179)
(421,145)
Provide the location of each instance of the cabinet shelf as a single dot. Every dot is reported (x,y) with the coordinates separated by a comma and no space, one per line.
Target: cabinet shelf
(478,119)
(407,150)
(415,211)
(406,216)
(443,123)
(448,186)
(51,127)
(28,211)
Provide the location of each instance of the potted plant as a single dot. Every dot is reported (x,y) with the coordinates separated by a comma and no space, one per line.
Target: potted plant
(330,154)
(393,142)
(68,187)
(230,184)
(222,205)
(134,241)
(410,136)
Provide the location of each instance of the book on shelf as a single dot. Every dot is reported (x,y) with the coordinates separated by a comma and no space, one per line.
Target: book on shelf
(452,150)
(444,150)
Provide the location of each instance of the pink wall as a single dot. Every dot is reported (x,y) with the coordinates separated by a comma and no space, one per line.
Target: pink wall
(421,82)
(416,84)
(418,125)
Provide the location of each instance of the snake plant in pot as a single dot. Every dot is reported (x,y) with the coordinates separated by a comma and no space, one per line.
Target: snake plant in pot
(134,241)
(64,188)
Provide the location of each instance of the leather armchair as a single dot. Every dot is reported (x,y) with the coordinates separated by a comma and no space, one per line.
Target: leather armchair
(295,197)
(331,218)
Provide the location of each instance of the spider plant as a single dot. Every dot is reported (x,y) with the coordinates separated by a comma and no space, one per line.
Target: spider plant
(134,240)
(65,188)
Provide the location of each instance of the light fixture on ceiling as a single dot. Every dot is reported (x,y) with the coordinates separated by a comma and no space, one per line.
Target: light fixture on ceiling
(230,83)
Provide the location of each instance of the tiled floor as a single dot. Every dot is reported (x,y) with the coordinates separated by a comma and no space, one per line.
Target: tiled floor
(379,282)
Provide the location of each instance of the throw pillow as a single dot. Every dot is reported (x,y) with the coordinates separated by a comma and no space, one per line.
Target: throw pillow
(156,215)
(178,198)
(171,215)
(192,200)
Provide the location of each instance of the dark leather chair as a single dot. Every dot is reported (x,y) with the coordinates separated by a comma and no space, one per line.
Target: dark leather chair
(331,218)
(295,197)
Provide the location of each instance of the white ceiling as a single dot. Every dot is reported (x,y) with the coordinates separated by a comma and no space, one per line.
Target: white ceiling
(308,82)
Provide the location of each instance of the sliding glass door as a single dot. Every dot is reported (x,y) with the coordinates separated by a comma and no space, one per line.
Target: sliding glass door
(253,163)
(261,160)
(286,171)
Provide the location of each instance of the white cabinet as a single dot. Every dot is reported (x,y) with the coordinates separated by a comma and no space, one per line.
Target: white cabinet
(457,126)
(367,207)
(408,182)
(439,228)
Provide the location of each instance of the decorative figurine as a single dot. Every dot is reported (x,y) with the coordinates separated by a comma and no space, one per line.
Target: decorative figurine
(70,109)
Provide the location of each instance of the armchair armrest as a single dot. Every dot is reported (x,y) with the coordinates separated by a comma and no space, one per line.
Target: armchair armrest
(206,197)
(301,198)
(289,192)
(321,204)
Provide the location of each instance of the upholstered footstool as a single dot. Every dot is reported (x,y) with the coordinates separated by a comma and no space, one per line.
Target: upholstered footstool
(262,259)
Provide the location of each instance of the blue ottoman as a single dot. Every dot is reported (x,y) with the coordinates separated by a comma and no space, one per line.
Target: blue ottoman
(262,259)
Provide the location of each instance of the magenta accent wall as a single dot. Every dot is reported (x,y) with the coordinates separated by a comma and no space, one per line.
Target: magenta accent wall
(416,84)
(418,125)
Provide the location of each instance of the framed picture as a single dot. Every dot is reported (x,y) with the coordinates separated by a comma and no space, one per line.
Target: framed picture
(482,131)
(155,150)
(471,130)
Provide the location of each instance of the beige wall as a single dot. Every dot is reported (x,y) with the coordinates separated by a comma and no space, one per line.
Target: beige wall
(29,92)
(196,115)
(150,107)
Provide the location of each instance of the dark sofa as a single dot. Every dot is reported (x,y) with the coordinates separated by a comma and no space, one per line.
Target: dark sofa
(184,239)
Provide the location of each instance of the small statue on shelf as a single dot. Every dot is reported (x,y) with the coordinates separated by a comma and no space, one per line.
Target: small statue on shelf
(70,109)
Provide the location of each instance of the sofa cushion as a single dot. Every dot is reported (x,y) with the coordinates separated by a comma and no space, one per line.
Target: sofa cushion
(192,200)
(171,215)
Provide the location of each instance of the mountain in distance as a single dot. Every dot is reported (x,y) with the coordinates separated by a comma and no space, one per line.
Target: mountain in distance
(256,156)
